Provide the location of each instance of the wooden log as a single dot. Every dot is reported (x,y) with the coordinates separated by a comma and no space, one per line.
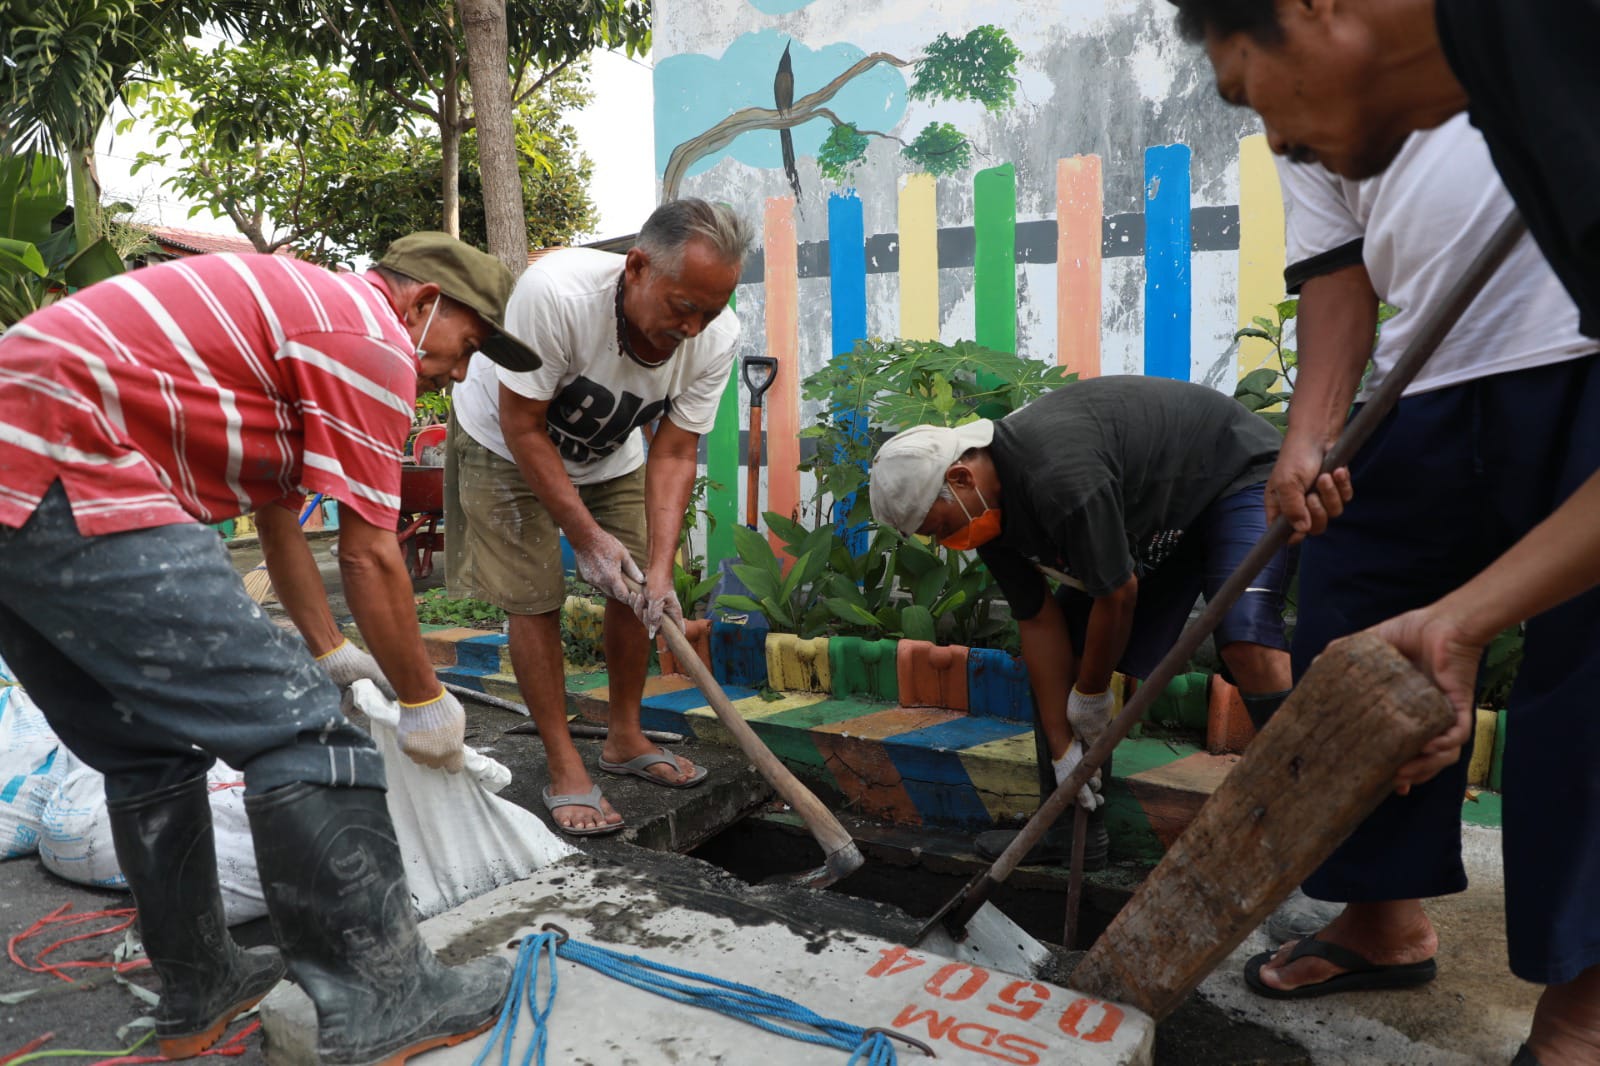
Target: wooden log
(1323,763)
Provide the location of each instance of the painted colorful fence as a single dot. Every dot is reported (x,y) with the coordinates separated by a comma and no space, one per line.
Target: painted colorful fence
(1168,233)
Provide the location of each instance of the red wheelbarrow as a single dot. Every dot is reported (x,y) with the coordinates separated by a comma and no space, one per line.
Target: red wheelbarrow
(422,504)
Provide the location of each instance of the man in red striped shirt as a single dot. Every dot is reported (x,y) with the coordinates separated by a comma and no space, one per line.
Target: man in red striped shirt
(192,392)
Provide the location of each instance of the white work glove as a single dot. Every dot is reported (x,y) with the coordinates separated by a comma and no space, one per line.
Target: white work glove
(347,664)
(1088,716)
(602,562)
(432,733)
(653,604)
(1089,796)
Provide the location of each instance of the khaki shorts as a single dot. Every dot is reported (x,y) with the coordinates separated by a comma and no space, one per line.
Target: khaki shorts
(501,544)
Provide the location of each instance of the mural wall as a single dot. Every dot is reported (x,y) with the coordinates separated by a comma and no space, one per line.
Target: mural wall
(1055,179)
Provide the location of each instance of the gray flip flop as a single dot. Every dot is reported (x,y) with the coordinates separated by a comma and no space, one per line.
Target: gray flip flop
(589,799)
(639,766)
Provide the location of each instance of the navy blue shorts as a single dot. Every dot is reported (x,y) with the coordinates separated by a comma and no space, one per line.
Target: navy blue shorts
(1208,555)
(1451,480)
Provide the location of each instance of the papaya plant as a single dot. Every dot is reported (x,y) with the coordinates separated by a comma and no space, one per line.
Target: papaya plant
(883,386)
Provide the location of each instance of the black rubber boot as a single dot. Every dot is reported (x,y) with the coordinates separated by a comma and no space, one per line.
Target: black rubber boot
(167,853)
(336,890)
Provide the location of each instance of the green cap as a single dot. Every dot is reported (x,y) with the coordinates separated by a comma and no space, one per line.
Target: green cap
(475,279)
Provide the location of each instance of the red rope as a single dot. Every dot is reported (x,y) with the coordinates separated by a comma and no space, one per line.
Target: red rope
(33,1045)
(60,918)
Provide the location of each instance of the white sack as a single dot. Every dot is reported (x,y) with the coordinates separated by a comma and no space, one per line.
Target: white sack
(459,840)
(33,763)
(76,842)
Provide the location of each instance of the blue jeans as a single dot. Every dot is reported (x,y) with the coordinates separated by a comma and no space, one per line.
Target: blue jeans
(1210,552)
(1451,480)
(150,661)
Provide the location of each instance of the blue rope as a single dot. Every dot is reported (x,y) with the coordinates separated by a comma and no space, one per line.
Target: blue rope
(763,1010)
(536,948)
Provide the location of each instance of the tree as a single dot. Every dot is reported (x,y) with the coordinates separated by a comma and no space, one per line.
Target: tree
(408,57)
(407,196)
(330,185)
(212,107)
(66,62)
(489,58)
(979,66)
(39,263)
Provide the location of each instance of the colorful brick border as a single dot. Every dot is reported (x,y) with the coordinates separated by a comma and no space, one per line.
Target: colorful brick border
(892,760)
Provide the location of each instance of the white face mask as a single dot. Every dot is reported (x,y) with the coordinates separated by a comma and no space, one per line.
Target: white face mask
(422,352)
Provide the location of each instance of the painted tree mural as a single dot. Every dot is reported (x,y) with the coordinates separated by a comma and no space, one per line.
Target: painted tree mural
(979,66)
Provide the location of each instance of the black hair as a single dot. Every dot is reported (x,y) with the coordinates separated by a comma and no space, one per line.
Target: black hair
(1258,18)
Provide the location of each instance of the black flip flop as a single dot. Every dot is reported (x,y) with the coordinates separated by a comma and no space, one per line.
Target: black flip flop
(1360,972)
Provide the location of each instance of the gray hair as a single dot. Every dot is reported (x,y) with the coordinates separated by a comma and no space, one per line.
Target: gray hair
(677,222)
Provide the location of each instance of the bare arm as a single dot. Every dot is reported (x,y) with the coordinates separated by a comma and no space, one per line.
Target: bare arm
(669,482)
(1338,313)
(378,588)
(1110,624)
(296,578)
(1052,670)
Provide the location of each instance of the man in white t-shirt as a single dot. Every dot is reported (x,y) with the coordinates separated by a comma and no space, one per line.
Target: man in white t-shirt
(1485,443)
(626,340)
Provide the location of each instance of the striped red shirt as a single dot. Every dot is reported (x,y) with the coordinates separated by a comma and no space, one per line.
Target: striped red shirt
(204,388)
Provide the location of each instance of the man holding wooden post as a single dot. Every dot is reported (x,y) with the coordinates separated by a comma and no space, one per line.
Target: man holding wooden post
(1344,84)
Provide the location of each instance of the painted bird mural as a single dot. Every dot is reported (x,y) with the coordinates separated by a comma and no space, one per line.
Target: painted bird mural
(783,99)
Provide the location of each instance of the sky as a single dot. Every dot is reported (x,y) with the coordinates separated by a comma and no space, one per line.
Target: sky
(615,131)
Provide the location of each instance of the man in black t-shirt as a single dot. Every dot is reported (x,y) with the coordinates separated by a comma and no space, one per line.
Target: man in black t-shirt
(1344,84)
(1146,493)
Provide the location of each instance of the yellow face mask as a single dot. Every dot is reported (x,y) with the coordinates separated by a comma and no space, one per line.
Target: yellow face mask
(978,531)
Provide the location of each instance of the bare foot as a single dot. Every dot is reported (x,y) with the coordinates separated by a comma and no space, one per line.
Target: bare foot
(1391,933)
(578,816)
(1566,1024)
(620,749)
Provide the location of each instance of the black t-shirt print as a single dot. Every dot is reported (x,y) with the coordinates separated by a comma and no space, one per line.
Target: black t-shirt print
(587,421)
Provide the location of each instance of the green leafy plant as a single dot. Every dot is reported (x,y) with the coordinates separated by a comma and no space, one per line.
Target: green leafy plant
(790,602)
(897,587)
(883,386)
(1268,390)
(435,607)
(38,263)
(692,517)
(691,590)
(1499,670)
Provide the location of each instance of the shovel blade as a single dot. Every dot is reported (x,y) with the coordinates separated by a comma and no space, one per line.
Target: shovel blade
(993,941)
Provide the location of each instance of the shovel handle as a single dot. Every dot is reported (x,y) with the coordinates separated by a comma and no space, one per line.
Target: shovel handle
(1440,318)
(842,855)
(758,389)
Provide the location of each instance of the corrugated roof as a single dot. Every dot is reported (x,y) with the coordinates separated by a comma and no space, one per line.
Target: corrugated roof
(194,242)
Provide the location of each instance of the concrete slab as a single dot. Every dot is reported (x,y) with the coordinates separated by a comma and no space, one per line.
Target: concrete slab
(761,938)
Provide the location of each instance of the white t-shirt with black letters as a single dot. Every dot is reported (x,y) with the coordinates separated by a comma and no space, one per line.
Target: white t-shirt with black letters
(564,308)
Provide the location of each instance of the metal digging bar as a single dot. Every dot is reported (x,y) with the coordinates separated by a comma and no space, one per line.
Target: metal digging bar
(953,917)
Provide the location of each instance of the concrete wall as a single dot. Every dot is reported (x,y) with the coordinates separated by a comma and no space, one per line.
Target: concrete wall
(1108,212)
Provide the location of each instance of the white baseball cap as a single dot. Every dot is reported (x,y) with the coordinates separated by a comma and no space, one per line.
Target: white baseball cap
(910,467)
